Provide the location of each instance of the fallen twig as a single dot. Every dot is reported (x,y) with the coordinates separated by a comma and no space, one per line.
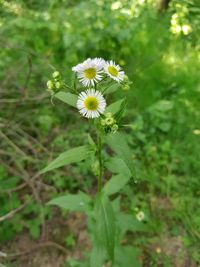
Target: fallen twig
(37,247)
(10,214)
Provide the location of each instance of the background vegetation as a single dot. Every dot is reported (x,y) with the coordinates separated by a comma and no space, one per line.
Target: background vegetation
(157,44)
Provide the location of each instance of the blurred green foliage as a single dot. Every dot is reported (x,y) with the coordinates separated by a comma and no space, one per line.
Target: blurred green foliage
(160,53)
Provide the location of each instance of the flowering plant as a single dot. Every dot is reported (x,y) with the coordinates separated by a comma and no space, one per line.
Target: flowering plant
(95,80)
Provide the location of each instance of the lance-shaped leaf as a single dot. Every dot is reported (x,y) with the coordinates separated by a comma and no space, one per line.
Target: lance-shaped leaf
(112,88)
(117,165)
(119,145)
(97,256)
(127,256)
(73,155)
(78,202)
(68,98)
(115,107)
(105,224)
(115,184)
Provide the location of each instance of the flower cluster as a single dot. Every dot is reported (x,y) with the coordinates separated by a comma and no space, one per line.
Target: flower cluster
(54,85)
(91,103)
(109,123)
(92,71)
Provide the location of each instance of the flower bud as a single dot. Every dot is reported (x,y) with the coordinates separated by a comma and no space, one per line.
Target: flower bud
(126,79)
(109,120)
(56,75)
(58,85)
(140,216)
(126,87)
(114,128)
(50,85)
(103,122)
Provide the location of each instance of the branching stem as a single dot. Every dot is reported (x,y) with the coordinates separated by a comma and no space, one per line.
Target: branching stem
(99,154)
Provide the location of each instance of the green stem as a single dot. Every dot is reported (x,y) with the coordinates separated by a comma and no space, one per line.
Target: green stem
(99,154)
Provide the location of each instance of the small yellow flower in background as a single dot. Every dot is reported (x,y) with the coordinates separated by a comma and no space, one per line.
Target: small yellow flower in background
(90,71)
(196,132)
(140,216)
(91,103)
(186,29)
(114,71)
(158,250)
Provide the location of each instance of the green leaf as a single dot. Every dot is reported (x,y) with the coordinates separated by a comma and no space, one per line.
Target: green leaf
(71,156)
(112,88)
(68,98)
(78,202)
(128,222)
(162,105)
(127,256)
(118,144)
(117,165)
(97,256)
(115,184)
(121,111)
(114,107)
(105,224)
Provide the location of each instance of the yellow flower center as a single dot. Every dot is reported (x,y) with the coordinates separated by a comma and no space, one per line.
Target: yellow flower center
(113,71)
(90,73)
(91,103)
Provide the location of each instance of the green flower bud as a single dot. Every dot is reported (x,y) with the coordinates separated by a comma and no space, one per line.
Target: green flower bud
(126,87)
(50,85)
(109,120)
(58,85)
(56,75)
(114,128)
(126,79)
(103,122)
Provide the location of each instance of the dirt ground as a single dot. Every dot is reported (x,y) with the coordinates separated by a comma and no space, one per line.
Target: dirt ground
(50,251)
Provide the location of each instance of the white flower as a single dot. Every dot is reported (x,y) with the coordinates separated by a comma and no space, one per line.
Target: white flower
(114,71)
(91,103)
(90,71)
(140,216)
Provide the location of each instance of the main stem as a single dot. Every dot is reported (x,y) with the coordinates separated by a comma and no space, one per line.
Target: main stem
(99,154)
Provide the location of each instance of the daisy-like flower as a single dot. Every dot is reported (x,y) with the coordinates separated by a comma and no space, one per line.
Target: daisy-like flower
(91,103)
(114,71)
(89,71)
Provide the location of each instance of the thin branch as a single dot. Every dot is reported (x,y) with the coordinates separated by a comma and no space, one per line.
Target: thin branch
(10,214)
(23,101)
(38,247)
(13,145)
